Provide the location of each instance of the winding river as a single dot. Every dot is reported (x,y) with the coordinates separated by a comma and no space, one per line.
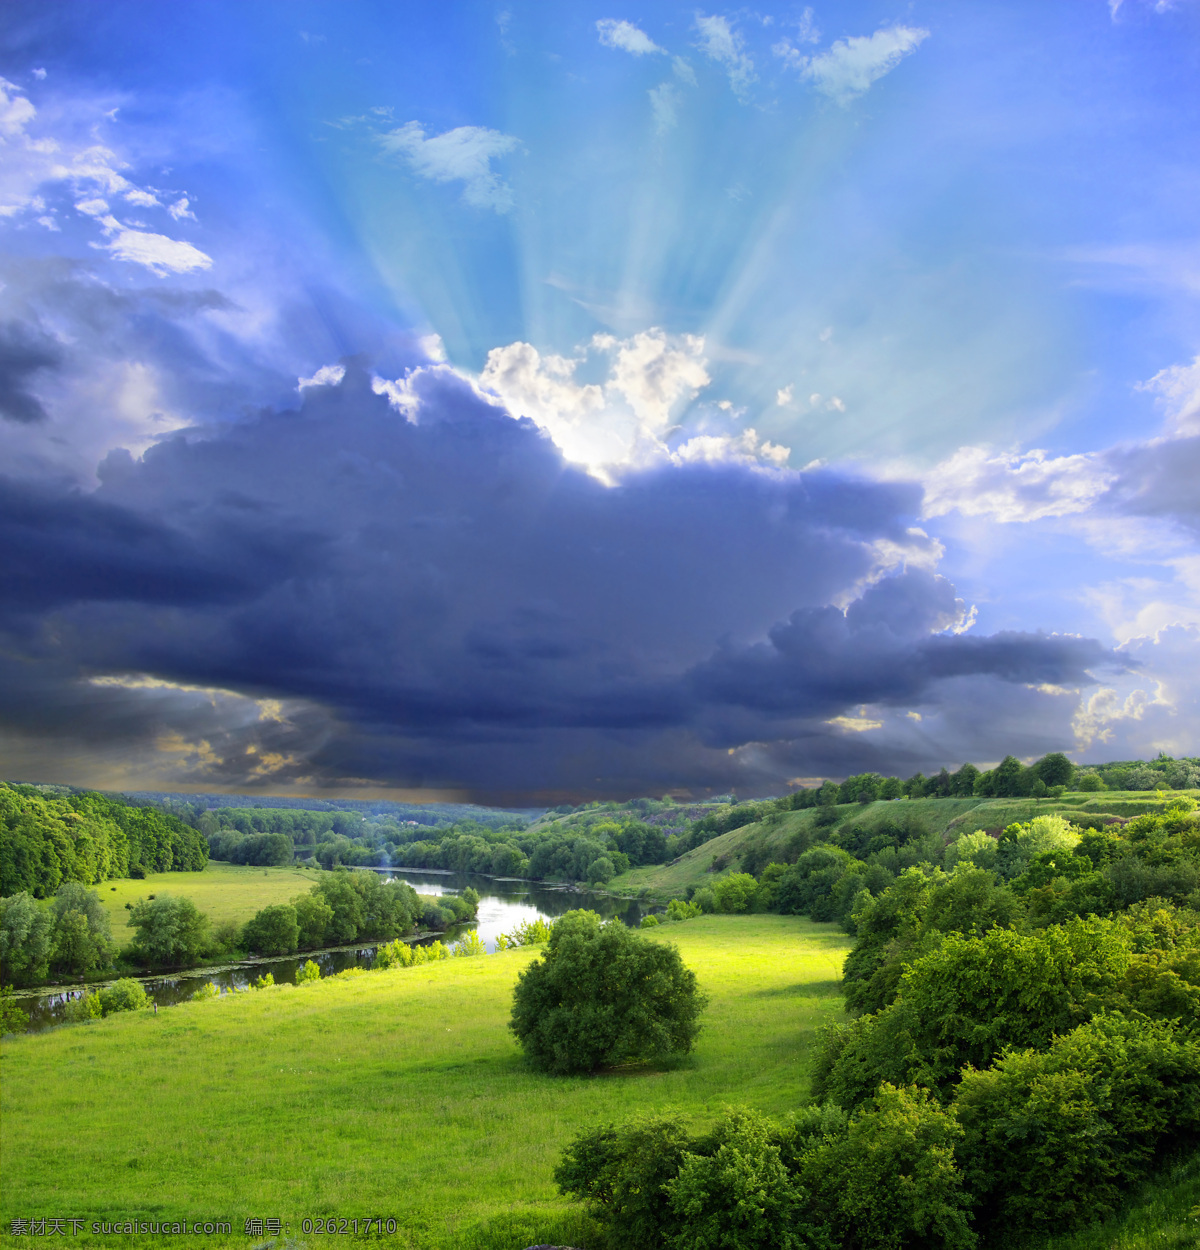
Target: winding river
(504,903)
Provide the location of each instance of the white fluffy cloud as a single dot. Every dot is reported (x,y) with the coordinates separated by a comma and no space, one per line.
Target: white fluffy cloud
(622,421)
(1179,387)
(619,422)
(16,112)
(157,252)
(720,42)
(849,68)
(463,154)
(1152,710)
(626,37)
(34,162)
(744,448)
(1014,486)
(327,375)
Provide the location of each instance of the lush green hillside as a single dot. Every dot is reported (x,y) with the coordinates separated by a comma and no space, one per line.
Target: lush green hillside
(782,831)
(394,1093)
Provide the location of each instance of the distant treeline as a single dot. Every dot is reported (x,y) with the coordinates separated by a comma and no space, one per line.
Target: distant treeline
(597,841)
(192,805)
(87,838)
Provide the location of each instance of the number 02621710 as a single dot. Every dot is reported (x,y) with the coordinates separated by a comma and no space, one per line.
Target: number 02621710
(350,1227)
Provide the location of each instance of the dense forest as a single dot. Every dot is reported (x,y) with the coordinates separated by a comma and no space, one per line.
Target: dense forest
(88,838)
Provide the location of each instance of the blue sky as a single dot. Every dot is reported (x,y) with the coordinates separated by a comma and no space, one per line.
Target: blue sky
(833,342)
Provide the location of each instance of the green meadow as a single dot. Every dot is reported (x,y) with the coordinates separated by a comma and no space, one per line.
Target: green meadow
(395,1093)
(224,892)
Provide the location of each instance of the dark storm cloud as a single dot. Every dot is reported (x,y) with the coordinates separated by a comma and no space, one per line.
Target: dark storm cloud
(1158,479)
(452,605)
(61,548)
(882,650)
(24,350)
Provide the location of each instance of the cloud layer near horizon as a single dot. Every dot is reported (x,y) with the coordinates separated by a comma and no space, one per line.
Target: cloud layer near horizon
(446,603)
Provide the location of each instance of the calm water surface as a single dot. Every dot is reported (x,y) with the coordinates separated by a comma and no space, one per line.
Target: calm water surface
(503,905)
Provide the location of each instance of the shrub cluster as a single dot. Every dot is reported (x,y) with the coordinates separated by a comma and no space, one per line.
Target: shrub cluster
(1025,1047)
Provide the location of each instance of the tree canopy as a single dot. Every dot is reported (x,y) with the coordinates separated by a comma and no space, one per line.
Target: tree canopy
(603,995)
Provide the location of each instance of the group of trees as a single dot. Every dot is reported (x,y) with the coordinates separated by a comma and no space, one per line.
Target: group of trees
(1025,1046)
(594,851)
(70,934)
(87,838)
(1163,773)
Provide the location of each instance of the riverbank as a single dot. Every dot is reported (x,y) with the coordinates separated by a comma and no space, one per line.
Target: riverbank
(504,904)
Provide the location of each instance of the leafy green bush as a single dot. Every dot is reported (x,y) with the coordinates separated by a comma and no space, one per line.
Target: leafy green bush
(1053,1138)
(206,991)
(469,944)
(123,995)
(735,893)
(12,1018)
(680,909)
(891,1180)
(736,1193)
(705,900)
(275,930)
(310,972)
(601,871)
(263,982)
(529,933)
(885,1180)
(81,1010)
(603,995)
(650,922)
(968,998)
(622,1174)
(398,954)
(171,932)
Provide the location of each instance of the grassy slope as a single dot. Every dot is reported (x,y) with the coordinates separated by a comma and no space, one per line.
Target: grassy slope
(222,891)
(396,1093)
(942,815)
(1163,1215)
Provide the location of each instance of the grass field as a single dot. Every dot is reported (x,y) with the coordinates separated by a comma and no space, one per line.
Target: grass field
(944,816)
(222,891)
(396,1094)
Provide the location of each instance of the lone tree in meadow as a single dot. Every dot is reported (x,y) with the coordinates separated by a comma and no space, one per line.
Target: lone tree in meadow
(601,995)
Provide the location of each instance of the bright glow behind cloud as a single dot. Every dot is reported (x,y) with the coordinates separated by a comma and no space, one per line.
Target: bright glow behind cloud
(620,422)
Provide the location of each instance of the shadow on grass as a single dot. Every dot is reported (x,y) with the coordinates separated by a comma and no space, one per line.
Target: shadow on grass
(803,989)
